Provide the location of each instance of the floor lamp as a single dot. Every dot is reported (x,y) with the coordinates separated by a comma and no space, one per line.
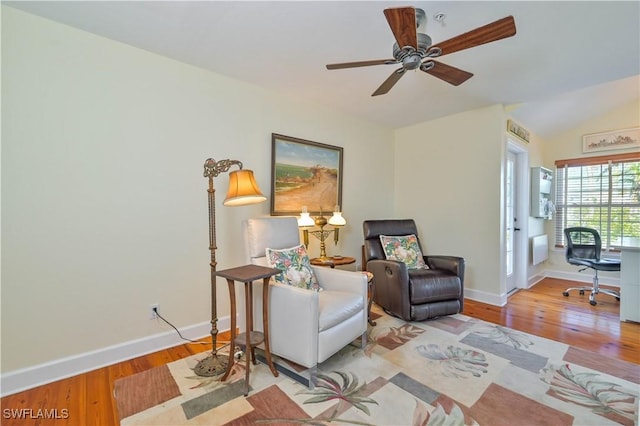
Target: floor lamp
(243,190)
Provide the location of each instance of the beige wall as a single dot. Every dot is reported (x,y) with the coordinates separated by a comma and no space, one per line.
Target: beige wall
(569,145)
(448,178)
(104,205)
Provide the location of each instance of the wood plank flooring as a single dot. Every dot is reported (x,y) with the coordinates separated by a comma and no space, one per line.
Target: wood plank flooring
(541,310)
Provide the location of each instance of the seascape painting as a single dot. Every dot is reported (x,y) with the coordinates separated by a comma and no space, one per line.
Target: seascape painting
(304,174)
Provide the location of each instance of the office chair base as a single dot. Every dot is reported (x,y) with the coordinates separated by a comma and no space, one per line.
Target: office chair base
(593,291)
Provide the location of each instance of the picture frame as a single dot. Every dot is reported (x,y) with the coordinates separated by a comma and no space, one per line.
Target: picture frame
(517,130)
(304,174)
(612,140)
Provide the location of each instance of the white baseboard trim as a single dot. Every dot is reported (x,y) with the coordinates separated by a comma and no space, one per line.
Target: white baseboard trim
(535,280)
(30,377)
(582,277)
(485,297)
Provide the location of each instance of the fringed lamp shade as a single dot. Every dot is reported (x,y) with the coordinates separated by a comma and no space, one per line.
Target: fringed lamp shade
(243,189)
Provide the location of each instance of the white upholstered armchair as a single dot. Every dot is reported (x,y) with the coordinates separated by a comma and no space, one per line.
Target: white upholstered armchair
(306,326)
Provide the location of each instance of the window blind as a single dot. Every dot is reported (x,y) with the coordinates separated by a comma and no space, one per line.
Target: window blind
(599,192)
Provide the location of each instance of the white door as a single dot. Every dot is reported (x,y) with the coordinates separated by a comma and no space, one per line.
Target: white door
(516,204)
(511,222)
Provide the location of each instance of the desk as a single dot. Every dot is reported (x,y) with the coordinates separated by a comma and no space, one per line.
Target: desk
(247,274)
(630,280)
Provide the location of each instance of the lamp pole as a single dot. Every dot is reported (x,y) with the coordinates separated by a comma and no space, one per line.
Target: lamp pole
(242,191)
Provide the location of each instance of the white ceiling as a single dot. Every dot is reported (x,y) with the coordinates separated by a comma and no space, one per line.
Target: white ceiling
(568,62)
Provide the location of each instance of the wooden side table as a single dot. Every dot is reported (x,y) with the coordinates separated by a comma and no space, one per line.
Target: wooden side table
(332,262)
(247,274)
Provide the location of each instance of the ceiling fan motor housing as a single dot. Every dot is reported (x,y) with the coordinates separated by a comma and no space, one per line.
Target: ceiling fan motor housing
(410,57)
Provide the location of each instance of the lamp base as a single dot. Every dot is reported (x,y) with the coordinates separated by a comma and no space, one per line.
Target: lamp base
(213,365)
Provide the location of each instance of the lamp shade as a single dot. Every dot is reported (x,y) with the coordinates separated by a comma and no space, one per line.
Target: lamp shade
(243,189)
(305,220)
(337,219)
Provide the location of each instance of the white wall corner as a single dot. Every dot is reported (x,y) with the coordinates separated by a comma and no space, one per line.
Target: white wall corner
(42,374)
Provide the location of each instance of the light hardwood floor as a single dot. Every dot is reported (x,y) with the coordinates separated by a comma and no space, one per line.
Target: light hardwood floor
(541,310)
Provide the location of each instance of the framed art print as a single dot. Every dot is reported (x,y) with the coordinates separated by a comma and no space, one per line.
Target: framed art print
(304,174)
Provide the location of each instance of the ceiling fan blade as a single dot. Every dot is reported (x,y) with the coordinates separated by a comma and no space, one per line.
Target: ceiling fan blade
(451,75)
(360,64)
(502,28)
(402,21)
(389,82)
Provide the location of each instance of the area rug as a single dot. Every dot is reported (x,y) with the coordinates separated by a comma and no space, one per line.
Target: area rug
(454,370)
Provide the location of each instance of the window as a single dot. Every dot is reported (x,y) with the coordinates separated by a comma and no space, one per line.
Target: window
(601,193)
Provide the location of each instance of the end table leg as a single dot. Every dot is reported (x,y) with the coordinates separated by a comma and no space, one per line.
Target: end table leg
(265,325)
(249,328)
(232,344)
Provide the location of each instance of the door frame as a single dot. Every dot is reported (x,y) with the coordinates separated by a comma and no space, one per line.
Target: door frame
(521,240)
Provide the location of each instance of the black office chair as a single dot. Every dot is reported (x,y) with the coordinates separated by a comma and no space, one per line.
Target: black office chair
(583,249)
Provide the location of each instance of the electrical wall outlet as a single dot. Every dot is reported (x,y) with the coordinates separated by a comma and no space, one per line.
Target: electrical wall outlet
(152,311)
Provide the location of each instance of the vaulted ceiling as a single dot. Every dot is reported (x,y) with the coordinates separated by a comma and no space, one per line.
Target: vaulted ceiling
(568,62)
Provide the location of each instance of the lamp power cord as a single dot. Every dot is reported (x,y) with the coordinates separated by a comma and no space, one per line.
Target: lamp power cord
(195,342)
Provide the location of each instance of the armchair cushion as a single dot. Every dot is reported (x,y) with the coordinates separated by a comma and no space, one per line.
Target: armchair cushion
(403,248)
(295,266)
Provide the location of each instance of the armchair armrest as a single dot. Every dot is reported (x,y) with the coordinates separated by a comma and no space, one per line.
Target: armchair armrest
(293,323)
(340,280)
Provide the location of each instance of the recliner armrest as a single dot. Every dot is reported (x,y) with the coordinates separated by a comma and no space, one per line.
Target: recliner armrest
(391,285)
(382,267)
(453,264)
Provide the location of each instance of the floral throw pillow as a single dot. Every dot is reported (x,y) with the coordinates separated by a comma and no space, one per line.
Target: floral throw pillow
(295,266)
(404,249)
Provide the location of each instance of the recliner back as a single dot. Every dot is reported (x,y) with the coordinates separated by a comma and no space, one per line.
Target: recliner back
(374,228)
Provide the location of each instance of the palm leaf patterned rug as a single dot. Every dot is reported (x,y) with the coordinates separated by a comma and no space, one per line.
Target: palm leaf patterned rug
(454,370)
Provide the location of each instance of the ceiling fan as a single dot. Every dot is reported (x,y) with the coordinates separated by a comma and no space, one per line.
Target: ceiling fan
(413,48)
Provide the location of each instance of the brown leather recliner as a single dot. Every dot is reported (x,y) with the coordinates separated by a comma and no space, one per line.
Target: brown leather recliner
(412,294)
